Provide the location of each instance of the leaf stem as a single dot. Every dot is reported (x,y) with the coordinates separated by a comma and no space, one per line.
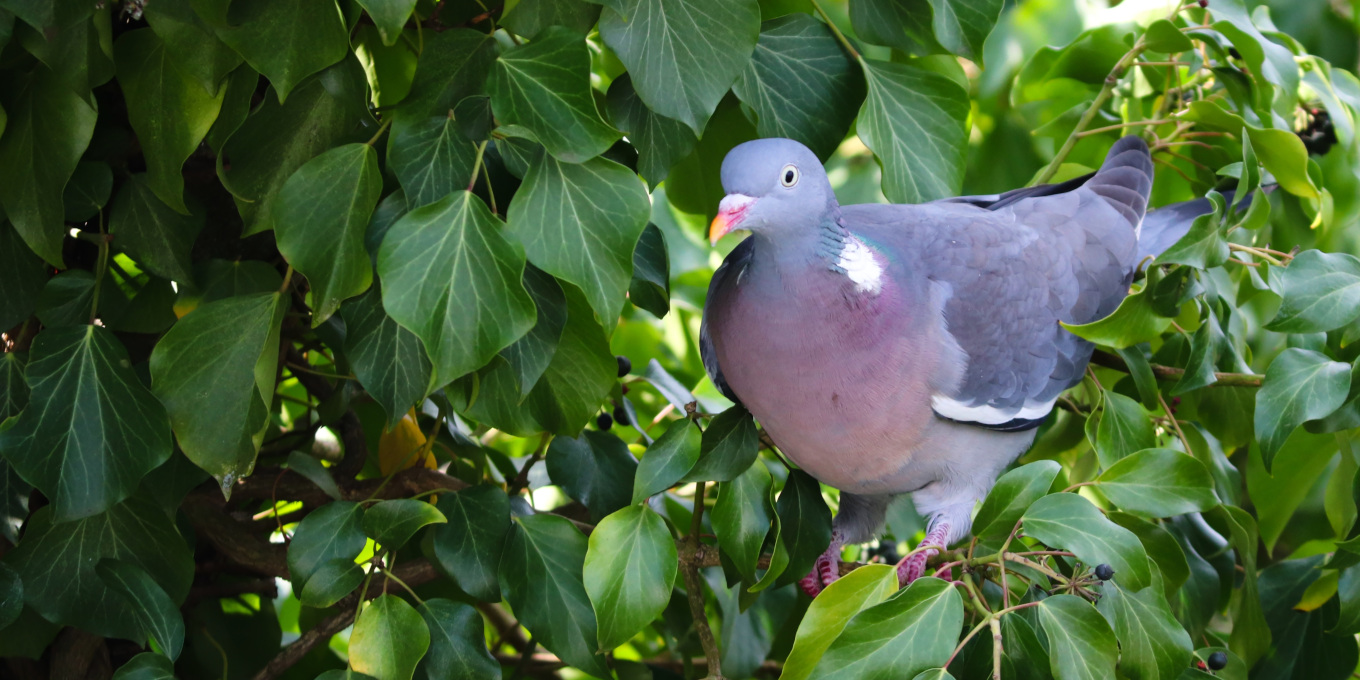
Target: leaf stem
(388,573)
(521,480)
(387,120)
(477,167)
(845,42)
(1104,95)
(1120,126)
(101,269)
(287,279)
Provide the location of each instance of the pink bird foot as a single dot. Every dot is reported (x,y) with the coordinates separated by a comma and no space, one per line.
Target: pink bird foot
(914,567)
(826,569)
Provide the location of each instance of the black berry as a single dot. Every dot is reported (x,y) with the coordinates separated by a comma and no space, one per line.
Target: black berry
(625,366)
(1204,4)
(621,416)
(1104,572)
(1232,52)
(1218,661)
(604,422)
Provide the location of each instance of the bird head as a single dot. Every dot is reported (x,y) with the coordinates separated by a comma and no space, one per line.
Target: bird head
(773,186)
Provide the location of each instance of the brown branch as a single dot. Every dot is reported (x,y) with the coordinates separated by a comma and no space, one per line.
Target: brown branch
(349,428)
(546,662)
(694,589)
(506,626)
(1114,361)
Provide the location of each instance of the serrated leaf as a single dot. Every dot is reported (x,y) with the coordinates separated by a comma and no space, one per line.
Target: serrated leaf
(214,371)
(193,47)
(805,523)
(1158,483)
(683,54)
(660,141)
(22,275)
(285,40)
(1069,522)
(393,523)
(913,121)
(629,572)
(320,215)
(331,532)
(91,430)
(742,516)
(914,630)
(158,238)
(1299,385)
(832,610)
(1080,642)
(453,279)
(169,111)
(67,590)
(1320,292)
(650,288)
(1014,492)
(1124,428)
(667,460)
(152,608)
(730,445)
(468,548)
(596,469)
(389,360)
(389,16)
(389,638)
(331,582)
(430,157)
(457,643)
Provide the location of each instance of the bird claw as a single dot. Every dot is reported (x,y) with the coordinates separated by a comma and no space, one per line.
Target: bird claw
(826,569)
(914,566)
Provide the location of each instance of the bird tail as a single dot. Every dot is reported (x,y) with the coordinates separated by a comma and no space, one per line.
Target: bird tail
(1164,226)
(1125,179)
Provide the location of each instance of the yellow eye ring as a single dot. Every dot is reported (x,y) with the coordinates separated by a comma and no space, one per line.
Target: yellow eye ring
(789,175)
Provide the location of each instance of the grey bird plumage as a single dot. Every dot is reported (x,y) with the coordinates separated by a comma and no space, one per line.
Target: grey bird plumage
(893,349)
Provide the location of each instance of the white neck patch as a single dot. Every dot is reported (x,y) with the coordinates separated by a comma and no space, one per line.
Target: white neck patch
(861,266)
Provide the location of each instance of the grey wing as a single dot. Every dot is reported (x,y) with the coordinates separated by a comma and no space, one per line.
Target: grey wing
(723,281)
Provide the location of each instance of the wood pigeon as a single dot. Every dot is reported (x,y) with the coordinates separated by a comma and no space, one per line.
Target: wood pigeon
(892,349)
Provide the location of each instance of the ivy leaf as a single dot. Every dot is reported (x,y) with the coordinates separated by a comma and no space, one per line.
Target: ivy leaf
(541,579)
(389,16)
(1299,385)
(285,40)
(14,387)
(69,592)
(544,85)
(393,523)
(1162,548)
(457,643)
(331,582)
(801,83)
(832,610)
(389,638)
(311,468)
(193,47)
(741,518)
(22,275)
(730,445)
(48,129)
(596,469)
(1124,428)
(1204,351)
(430,157)
(468,548)
(1012,495)
(660,141)
(331,532)
(389,360)
(1203,246)
(152,608)
(11,595)
(531,355)
(1159,483)
(580,375)
(805,523)
(277,138)
(1320,291)
(1163,36)
(236,104)
(1134,321)
(913,120)
(1069,522)
(667,460)
(87,191)
(214,371)
(705,43)
(453,279)
(529,17)
(651,285)
(453,65)
(1153,645)
(914,630)
(580,222)
(169,111)
(92,430)
(1080,642)
(629,572)
(320,215)
(14,493)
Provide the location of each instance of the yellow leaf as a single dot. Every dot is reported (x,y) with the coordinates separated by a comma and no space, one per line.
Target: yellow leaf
(1319,593)
(398,447)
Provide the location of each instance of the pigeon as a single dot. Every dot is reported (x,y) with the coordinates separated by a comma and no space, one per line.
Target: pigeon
(891,349)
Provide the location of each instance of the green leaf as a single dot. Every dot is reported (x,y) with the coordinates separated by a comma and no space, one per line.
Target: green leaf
(1124,428)
(389,16)
(581,373)
(1348,595)
(158,238)
(651,285)
(1320,291)
(832,610)
(1163,36)
(544,86)
(580,223)
(541,579)
(276,139)
(453,279)
(913,121)
(48,129)
(1069,522)
(667,460)
(905,25)
(388,639)
(1250,637)
(596,469)
(331,582)
(741,518)
(92,430)
(1299,385)
(14,492)
(1014,492)
(1276,495)
(312,469)
(169,111)
(1204,351)
(236,105)
(285,40)
(66,299)
(914,630)
(801,83)
(67,591)
(22,275)
(193,47)
(389,360)
(11,595)
(805,523)
(14,387)
(660,141)
(331,532)
(320,216)
(1153,645)
(430,157)
(531,355)
(214,371)
(87,191)
(707,44)
(1158,483)
(468,548)
(453,65)
(529,17)
(393,523)
(694,185)
(152,608)
(730,445)
(629,572)
(1133,322)
(1080,642)
(1203,246)
(1162,548)
(146,666)
(457,643)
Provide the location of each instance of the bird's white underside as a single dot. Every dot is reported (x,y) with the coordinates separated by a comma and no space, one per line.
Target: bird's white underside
(861,266)
(954,409)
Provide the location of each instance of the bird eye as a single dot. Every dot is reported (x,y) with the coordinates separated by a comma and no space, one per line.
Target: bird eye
(790,176)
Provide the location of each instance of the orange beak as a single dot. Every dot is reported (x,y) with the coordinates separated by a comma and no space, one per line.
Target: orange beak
(731,212)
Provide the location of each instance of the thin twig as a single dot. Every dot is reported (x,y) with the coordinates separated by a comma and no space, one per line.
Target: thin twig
(836,31)
(1121,126)
(387,121)
(1174,424)
(694,589)
(522,479)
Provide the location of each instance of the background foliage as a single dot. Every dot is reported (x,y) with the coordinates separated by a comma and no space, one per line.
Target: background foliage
(311,309)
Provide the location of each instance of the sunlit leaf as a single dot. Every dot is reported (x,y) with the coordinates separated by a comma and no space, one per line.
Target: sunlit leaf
(832,609)
(392,523)
(1080,642)
(1158,483)
(389,638)
(629,572)
(1012,495)
(913,630)
(1069,522)
(1320,291)
(1299,385)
